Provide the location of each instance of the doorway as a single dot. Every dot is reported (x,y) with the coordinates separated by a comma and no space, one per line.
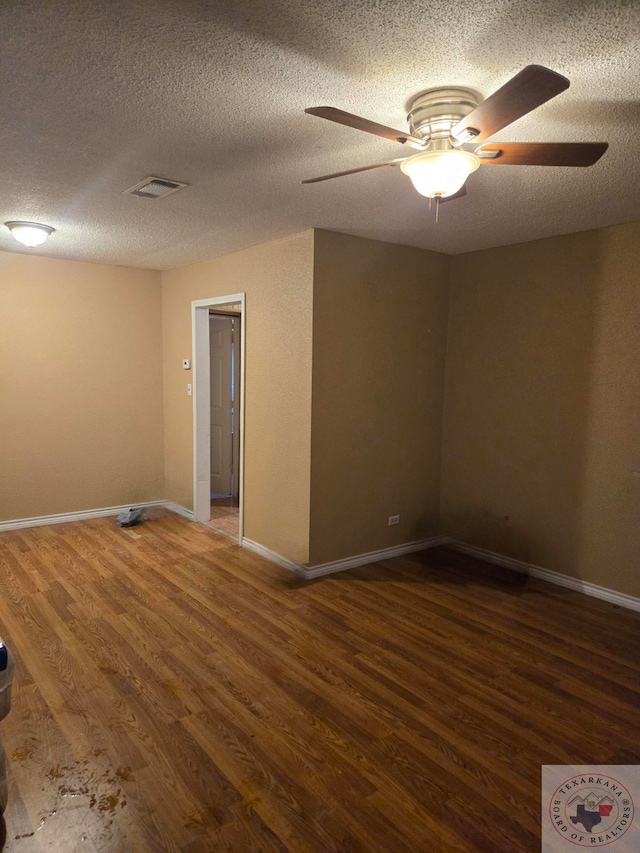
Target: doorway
(224,344)
(218,408)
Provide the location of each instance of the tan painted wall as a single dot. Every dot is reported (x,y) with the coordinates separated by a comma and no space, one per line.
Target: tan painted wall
(541,451)
(80,386)
(379,338)
(278,281)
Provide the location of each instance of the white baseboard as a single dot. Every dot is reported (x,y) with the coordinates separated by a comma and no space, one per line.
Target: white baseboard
(64,517)
(310,572)
(263,551)
(577,584)
(373,557)
(177,508)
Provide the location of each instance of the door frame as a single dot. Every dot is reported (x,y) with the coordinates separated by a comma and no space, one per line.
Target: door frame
(201,405)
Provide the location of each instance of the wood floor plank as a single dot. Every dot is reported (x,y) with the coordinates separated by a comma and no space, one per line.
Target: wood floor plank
(175,692)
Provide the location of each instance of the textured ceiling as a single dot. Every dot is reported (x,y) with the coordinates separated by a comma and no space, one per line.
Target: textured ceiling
(96,96)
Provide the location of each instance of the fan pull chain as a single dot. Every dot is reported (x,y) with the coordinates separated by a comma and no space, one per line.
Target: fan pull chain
(437,207)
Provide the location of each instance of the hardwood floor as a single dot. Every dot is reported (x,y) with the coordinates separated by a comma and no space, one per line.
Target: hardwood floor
(176,693)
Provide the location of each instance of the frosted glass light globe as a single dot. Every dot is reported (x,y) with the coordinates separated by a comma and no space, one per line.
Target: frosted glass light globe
(440,173)
(29,233)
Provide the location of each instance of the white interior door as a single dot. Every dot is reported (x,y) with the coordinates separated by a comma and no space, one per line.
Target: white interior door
(220,333)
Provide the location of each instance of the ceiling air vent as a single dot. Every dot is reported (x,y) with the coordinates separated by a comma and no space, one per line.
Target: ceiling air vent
(153,187)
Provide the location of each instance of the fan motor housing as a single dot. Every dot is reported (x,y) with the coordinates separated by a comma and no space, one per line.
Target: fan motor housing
(434,112)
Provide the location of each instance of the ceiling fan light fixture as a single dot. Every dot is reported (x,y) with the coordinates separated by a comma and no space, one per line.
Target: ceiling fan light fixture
(439,174)
(30,233)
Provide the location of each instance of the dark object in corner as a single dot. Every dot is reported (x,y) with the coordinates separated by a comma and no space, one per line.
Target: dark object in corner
(130,518)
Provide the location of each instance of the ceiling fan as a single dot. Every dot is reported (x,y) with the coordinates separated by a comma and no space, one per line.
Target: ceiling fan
(443,121)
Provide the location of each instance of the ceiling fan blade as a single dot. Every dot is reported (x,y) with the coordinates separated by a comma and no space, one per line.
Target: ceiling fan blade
(353,171)
(359,123)
(530,88)
(541,153)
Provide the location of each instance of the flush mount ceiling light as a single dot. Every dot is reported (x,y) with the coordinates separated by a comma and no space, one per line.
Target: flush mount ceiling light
(30,233)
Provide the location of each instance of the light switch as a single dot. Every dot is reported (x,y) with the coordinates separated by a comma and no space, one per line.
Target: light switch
(189,390)
(186,363)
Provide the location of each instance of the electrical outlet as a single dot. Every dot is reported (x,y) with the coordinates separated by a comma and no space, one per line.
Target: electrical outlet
(394,519)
